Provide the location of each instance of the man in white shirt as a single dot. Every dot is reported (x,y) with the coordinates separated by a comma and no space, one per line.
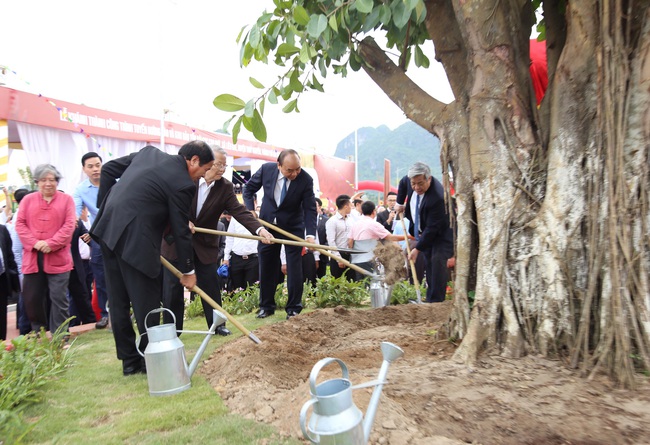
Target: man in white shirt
(337,229)
(241,257)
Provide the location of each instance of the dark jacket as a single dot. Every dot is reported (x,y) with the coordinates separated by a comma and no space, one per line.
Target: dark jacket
(154,190)
(297,213)
(207,246)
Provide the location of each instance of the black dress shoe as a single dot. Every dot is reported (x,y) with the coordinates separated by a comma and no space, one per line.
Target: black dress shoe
(263,313)
(101,324)
(291,314)
(136,368)
(222,330)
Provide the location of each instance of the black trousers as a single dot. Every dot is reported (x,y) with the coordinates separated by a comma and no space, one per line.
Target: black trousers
(3,306)
(127,287)
(206,279)
(81,305)
(269,256)
(244,272)
(337,271)
(437,273)
(309,267)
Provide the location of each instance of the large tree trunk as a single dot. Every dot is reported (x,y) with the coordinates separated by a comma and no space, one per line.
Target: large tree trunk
(553,212)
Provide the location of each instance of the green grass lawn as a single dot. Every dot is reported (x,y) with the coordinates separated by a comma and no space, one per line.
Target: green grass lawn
(93,403)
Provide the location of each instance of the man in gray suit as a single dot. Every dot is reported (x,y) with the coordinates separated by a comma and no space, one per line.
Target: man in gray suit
(154,191)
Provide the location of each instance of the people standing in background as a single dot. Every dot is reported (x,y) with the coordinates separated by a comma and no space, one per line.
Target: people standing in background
(22,321)
(8,277)
(241,257)
(80,305)
(387,217)
(45,224)
(85,195)
(337,228)
(321,221)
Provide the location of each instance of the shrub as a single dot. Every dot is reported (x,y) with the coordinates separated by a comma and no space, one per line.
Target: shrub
(26,365)
(242,301)
(403,291)
(332,292)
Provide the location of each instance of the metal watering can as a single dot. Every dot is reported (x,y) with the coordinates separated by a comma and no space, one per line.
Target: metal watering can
(167,369)
(335,419)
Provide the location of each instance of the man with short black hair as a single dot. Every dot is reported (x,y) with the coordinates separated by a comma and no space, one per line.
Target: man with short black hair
(85,195)
(387,217)
(337,229)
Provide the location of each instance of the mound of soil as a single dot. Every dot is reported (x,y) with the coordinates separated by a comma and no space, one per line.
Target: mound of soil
(430,399)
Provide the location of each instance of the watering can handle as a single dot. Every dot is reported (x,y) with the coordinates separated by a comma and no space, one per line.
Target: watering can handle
(320,365)
(156,311)
(137,344)
(303,420)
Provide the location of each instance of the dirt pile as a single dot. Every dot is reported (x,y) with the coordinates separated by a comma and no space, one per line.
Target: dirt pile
(430,399)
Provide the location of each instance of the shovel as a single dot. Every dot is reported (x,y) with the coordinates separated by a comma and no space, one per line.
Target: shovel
(177,273)
(298,242)
(413,272)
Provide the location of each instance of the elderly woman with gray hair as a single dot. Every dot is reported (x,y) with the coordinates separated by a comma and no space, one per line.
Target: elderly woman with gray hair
(45,225)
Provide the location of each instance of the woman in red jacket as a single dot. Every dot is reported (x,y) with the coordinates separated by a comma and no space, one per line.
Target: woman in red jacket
(45,224)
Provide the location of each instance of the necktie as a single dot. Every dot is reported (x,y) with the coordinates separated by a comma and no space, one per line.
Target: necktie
(416,230)
(283,193)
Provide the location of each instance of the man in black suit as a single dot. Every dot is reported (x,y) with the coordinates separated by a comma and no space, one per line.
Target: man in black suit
(321,219)
(289,203)
(8,277)
(387,217)
(429,225)
(154,190)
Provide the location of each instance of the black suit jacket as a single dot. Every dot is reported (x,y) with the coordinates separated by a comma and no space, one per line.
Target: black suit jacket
(220,197)
(9,282)
(154,190)
(435,230)
(382,217)
(322,232)
(297,213)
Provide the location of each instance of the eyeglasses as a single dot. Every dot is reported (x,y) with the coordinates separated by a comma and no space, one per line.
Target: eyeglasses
(221,166)
(48,180)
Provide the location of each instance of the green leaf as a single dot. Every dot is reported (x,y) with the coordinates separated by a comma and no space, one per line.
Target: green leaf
(384,14)
(224,127)
(248,123)
(259,129)
(317,24)
(401,15)
(241,32)
(304,54)
(322,67)
(289,107)
(262,105)
(300,15)
(236,129)
(287,49)
(294,82)
(316,84)
(420,59)
(228,102)
(333,23)
(371,20)
(254,36)
(273,97)
(250,107)
(411,4)
(255,83)
(364,6)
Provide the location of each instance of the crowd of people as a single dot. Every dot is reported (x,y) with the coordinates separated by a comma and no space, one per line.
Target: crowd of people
(107,239)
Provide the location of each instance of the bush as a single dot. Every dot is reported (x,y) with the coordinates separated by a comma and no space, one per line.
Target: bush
(242,301)
(403,291)
(26,365)
(332,292)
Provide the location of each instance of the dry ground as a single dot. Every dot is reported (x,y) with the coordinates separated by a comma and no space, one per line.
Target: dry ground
(430,399)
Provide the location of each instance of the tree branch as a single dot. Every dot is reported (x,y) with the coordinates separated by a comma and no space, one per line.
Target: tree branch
(417,104)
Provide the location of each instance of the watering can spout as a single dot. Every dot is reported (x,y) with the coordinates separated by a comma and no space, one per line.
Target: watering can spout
(390,353)
(217,319)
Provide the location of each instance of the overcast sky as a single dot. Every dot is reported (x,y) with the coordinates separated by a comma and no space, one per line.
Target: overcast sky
(142,56)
